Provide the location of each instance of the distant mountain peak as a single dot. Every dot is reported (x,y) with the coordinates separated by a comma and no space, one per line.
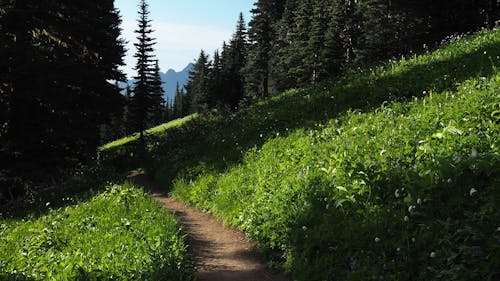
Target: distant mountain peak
(169,79)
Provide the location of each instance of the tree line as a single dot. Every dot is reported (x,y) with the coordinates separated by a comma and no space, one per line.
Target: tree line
(291,43)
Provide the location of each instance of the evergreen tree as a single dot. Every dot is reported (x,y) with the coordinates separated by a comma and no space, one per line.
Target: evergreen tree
(197,85)
(142,100)
(280,54)
(158,104)
(216,82)
(234,57)
(178,106)
(261,34)
(57,59)
(315,63)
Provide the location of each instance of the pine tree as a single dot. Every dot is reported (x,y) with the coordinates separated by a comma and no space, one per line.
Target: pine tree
(315,63)
(142,100)
(285,30)
(215,82)
(178,106)
(54,118)
(157,101)
(261,34)
(197,85)
(234,57)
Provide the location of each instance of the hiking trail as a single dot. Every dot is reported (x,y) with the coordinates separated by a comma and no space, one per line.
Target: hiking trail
(219,253)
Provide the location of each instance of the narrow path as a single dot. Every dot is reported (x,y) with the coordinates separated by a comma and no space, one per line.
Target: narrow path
(218,252)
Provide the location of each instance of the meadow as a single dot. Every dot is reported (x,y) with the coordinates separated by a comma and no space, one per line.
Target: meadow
(388,173)
(116,232)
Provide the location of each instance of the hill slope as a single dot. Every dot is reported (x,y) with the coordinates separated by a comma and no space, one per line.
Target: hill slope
(390,173)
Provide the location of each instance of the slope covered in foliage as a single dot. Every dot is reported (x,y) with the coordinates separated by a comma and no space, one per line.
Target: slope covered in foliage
(389,173)
(119,234)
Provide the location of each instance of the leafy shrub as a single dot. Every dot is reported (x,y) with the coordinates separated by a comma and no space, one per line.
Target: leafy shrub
(120,234)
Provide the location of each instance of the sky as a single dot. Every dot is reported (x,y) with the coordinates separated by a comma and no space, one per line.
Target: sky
(182,28)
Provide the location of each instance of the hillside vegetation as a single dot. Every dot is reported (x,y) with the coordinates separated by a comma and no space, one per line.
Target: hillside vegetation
(118,234)
(389,173)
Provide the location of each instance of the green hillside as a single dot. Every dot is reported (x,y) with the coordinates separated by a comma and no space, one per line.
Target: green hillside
(389,173)
(118,234)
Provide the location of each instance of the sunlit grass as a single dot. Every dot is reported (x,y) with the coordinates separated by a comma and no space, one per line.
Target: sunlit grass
(120,234)
(155,130)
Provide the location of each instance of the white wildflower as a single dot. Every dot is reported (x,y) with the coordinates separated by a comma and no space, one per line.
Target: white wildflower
(472,191)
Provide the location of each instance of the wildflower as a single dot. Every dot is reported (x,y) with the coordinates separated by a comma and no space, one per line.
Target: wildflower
(433,255)
(419,201)
(413,240)
(47,204)
(472,191)
(396,193)
(411,209)
(304,228)
(406,218)
(377,240)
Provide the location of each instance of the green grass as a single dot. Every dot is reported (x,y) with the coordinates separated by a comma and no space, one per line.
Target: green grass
(389,173)
(119,234)
(156,130)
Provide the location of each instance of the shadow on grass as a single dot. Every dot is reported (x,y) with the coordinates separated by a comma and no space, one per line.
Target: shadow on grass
(215,143)
(81,186)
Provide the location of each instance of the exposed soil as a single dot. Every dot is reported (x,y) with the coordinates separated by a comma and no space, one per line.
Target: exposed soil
(219,253)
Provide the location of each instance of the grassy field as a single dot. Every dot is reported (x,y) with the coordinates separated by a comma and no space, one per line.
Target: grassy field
(388,173)
(118,234)
(155,131)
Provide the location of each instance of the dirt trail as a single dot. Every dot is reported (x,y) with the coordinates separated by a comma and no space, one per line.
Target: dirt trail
(218,252)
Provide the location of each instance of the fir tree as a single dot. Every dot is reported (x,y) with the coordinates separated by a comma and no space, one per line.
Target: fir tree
(142,100)
(257,68)
(197,85)
(54,118)
(157,101)
(216,82)
(234,57)
(178,106)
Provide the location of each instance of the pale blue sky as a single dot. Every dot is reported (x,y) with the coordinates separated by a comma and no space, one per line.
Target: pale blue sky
(183,28)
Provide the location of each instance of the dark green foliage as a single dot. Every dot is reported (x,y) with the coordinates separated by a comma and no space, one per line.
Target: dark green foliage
(219,83)
(158,105)
(197,87)
(56,62)
(179,109)
(298,43)
(261,34)
(234,57)
(216,83)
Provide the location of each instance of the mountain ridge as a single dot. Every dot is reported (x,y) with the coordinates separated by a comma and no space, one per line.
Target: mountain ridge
(169,79)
